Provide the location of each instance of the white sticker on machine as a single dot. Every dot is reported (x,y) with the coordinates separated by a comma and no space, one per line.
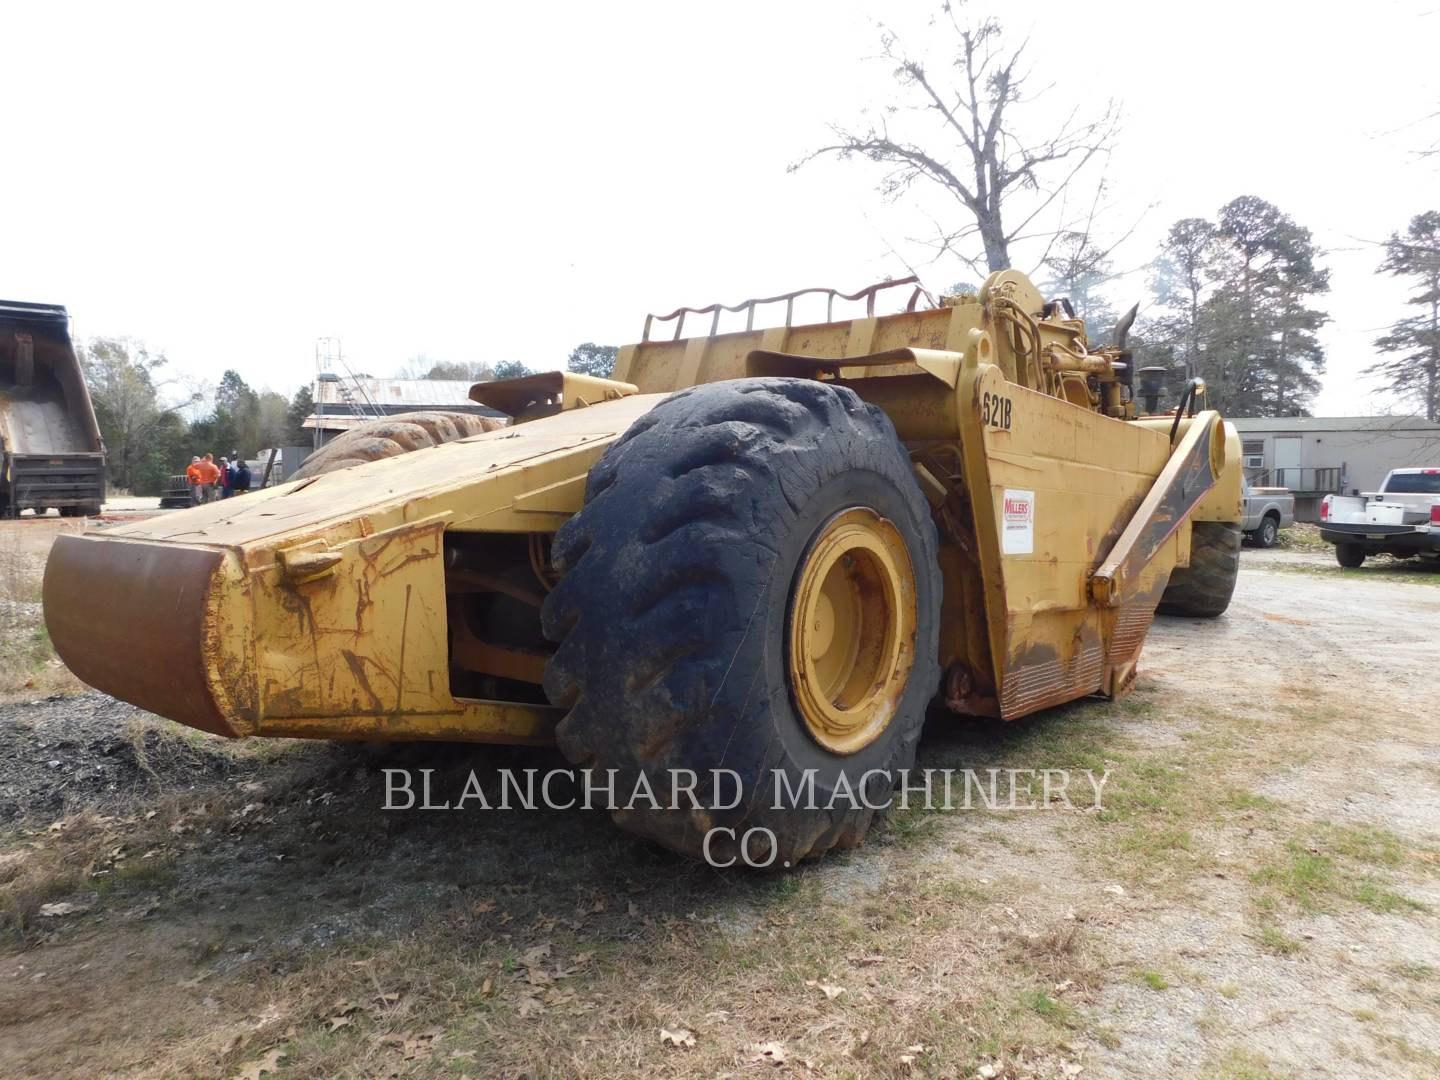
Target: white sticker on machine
(1017,523)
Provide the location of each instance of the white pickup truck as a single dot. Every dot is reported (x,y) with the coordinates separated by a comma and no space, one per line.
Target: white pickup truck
(1401,519)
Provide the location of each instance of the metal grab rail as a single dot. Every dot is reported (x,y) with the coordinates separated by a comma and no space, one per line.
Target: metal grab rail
(749,306)
(1321,478)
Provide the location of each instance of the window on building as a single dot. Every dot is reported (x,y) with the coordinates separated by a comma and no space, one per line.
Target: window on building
(1253,446)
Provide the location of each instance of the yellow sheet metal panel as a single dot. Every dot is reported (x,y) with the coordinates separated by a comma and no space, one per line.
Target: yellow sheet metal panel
(1226,500)
(661,366)
(470,721)
(318,608)
(551,391)
(1060,483)
(365,640)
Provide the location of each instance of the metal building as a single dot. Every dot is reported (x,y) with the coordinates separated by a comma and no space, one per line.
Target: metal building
(1315,456)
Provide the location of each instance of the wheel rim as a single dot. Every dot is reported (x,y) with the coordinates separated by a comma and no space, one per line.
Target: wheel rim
(852,630)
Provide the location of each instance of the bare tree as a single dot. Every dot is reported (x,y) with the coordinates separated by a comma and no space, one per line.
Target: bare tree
(1077,269)
(134,404)
(1010,187)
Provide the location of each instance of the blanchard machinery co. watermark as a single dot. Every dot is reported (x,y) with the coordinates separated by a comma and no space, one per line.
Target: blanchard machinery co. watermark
(724,789)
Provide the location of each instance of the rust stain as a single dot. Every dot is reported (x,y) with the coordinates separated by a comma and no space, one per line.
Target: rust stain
(395,568)
(362,604)
(357,668)
(404,636)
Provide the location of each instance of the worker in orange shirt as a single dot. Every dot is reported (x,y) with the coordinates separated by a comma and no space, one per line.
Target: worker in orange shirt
(208,472)
(192,477)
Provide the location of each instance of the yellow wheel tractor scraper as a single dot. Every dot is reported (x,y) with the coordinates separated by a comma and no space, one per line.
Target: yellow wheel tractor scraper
(761,555)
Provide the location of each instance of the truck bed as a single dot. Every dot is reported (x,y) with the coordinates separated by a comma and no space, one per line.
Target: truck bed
(50,442)
(35,420)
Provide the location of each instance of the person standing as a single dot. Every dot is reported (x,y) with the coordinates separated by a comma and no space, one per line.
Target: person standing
(208,473)
(192,477)
(241,482)
(226,478)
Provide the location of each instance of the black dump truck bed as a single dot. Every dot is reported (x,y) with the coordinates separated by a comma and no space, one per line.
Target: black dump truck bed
(52,452)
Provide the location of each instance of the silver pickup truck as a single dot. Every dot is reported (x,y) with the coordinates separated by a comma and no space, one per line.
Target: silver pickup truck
(1401,519)
(1267,511)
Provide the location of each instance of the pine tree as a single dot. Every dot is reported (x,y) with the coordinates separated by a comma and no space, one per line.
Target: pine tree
(1413,369)
(592,359)
(1183,279)
(1262,355)
(301,406)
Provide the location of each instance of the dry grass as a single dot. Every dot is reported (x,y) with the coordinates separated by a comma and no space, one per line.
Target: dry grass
(938,972)
(28,664)
(79,855)
(910,989)
(574,967)
(1377,568)
(1302,536)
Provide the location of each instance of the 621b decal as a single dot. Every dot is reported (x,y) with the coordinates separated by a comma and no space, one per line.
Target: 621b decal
(995,411)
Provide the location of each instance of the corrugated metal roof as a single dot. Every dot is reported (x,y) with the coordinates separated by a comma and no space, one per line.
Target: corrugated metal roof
(414,393)
(389,397)
(1333,423)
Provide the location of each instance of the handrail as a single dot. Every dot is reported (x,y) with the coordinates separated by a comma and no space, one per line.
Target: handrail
(749,306)
(1297,477)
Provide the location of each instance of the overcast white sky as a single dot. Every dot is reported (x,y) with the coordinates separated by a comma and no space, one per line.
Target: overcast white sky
(505,181)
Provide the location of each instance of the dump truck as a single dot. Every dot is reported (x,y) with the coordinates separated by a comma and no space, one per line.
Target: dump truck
(758,557)
(53,456)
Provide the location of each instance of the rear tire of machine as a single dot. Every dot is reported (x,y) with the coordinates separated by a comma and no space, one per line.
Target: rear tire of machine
(391,437)
(1203,589)
(673,612)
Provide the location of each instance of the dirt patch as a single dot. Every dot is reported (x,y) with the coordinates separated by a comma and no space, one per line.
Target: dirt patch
(1257,897)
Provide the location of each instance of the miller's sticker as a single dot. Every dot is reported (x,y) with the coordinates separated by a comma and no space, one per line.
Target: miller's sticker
(1017,523)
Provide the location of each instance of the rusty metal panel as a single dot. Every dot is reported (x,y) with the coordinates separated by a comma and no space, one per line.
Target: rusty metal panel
(657,366)
(135,620)
(1132,623)
(1040,676)
(318,608)
(1083,475)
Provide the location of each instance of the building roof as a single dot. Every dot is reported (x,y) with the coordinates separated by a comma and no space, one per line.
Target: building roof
(1333,423)
(347,402)
(416,393)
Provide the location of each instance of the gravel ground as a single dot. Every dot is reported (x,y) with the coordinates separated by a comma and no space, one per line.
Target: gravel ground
(61,754)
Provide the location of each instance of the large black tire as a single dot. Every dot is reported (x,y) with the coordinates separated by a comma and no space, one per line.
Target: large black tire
(1350,556)
(671,615)
(391,436)
(1203,589)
